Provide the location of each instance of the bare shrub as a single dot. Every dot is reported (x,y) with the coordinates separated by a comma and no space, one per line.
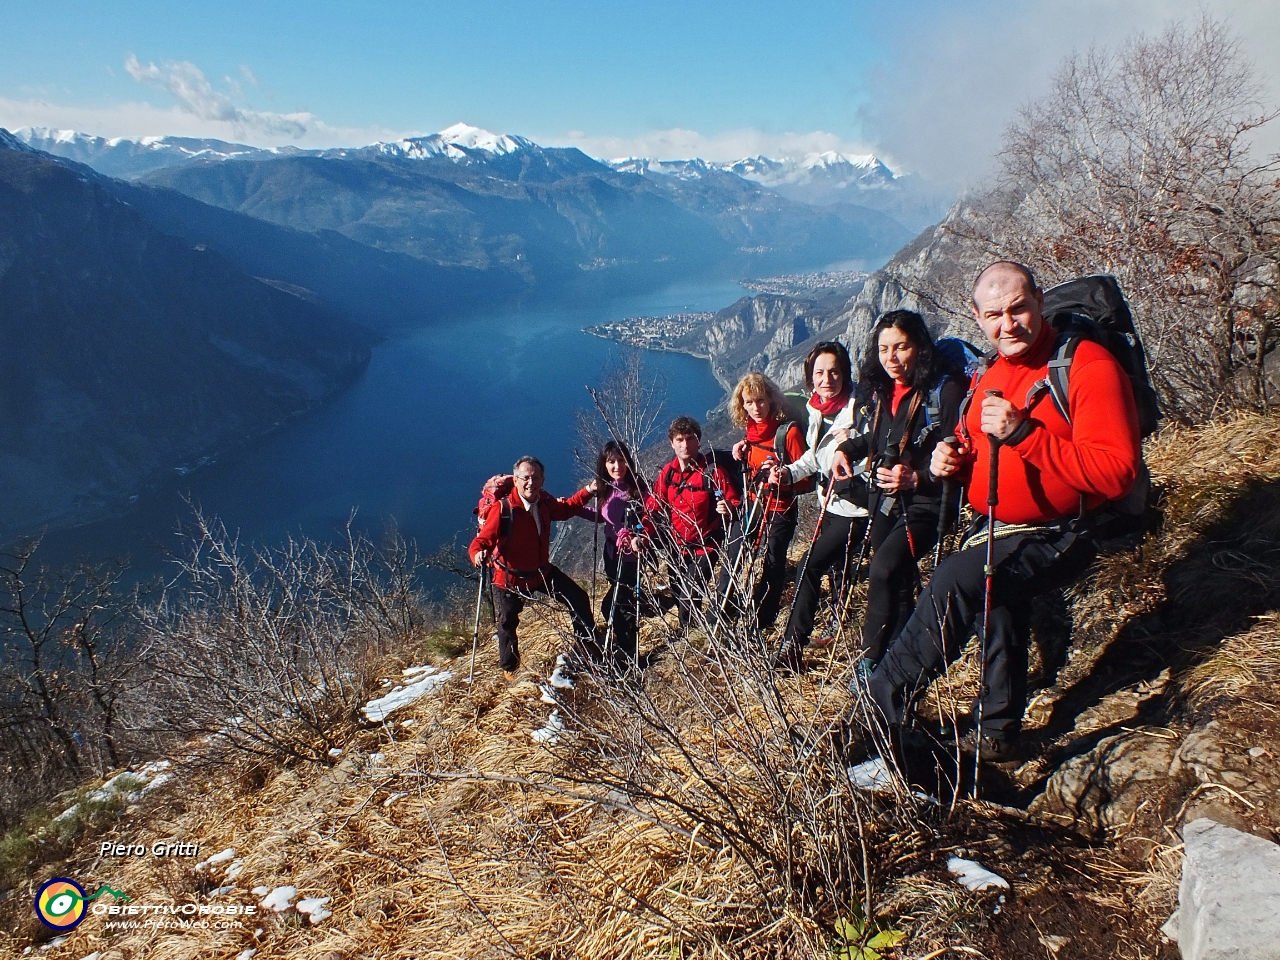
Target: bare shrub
(273,651)
(66,663)
(1137,163)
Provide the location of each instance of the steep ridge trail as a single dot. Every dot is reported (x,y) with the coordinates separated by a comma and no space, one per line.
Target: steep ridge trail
(702,813)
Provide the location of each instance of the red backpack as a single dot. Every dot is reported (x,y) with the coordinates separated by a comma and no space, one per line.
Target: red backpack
(494,494)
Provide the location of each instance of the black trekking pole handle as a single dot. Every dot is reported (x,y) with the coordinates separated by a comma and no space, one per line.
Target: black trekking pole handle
(993,470)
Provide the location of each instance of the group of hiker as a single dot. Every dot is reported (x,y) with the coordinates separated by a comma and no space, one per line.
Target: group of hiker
(1042,435)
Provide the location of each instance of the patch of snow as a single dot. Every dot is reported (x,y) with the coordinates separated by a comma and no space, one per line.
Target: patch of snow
(280,899)
(91,956)
(313,907)
(551,732)
(233,871)
(973,876)
(377,758)
(409,723)
(870,775)
(548,695)
(335,751)
(55,942)
(217,858)
(560,678)
(429,680)
(221,891)
(246,954)
(260,891)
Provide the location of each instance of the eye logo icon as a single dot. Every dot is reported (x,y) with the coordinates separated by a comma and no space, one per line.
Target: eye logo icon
(61,903)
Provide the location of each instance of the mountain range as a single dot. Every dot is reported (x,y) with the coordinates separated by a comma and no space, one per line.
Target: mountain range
(820,179)
(164,299)
(129,352)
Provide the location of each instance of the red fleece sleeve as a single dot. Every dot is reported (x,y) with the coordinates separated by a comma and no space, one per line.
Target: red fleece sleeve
(487,538)
(730,492)
(1104,451)
(570,506)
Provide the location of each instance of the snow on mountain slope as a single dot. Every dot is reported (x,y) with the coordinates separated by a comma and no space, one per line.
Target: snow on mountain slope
(458,142)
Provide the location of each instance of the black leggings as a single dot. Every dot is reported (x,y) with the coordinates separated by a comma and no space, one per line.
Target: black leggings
(892,578)
(620,600)
(775,537)
(836,549)
(950,611)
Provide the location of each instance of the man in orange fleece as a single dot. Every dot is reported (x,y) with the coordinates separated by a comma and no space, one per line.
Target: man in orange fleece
(1054,471)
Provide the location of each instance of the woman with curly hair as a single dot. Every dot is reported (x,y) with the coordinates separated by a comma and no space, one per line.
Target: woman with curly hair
(770,511)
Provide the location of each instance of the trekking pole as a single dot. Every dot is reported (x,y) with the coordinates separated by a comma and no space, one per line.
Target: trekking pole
(988,573)
(947,485)
(475,637)
(804,563)
(595,548)
(742,549)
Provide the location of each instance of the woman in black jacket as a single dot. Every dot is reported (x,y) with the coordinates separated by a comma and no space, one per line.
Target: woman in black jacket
(911,401)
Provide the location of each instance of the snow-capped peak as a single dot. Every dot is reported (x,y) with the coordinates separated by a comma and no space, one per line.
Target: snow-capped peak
(458,142)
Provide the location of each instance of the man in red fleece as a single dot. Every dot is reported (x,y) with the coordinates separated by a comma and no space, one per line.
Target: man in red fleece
(1053,472)
(695,495)
(521,560)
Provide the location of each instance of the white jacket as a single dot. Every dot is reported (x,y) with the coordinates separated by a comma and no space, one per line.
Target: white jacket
(817,458)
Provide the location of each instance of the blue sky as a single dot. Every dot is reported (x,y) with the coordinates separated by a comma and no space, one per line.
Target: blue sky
(925,83)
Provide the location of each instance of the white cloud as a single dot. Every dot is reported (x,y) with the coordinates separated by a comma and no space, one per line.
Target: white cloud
(680,144)
(135,119)
(961,76)
(188,85)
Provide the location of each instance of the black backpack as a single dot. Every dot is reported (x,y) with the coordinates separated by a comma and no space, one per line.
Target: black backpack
(1094,308)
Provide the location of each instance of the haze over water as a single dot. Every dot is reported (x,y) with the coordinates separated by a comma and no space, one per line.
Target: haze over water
(438,411)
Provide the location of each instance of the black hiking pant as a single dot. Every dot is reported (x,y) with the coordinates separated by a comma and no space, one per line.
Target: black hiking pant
(835,550)
(690,576)
(559,586)
(950,612)
(619,602)
(891,580)
(772,536)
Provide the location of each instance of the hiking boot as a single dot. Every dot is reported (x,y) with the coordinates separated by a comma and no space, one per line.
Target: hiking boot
(790,659)
(995,749)
(510,675)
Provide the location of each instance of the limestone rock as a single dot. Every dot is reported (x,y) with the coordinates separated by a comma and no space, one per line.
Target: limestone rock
(1229,898)
(1104,787)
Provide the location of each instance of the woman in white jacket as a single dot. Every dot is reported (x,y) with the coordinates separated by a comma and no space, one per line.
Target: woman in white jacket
(828,375)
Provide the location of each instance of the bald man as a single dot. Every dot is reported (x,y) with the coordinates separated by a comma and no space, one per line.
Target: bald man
(1054,472)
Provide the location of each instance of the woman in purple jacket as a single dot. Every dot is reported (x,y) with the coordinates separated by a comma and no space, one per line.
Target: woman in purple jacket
(619,505)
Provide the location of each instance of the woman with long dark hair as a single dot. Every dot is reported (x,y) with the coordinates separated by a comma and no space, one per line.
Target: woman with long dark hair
(914,402)
(828,373)
(618,507)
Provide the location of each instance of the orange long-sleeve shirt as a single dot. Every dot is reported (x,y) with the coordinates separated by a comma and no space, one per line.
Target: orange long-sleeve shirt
(1044,477)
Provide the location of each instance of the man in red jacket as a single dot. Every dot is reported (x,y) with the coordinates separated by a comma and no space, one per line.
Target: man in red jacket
(696,497)
(1054,471)
(516,540)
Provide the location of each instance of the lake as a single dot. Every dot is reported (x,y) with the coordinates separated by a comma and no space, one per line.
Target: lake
(436,413)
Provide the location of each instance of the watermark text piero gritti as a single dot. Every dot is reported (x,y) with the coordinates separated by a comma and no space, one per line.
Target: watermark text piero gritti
(161,848)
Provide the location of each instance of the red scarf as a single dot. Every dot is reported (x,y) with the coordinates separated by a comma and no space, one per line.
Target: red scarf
(762,434)
(833,406)
(900,390)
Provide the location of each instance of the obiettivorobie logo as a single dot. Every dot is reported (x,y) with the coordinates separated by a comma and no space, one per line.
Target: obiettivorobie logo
(61,903)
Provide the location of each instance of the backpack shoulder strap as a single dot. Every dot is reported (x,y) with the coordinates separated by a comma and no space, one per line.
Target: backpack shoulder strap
(780,441)
(1057,380)
(504,520)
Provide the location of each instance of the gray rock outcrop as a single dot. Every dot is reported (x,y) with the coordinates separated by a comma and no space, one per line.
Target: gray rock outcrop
(1229,899)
